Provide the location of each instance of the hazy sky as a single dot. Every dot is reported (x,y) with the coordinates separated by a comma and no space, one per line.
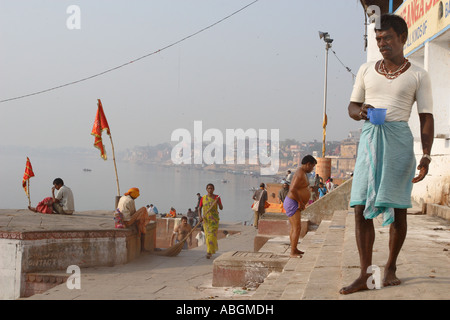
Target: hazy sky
(263,68)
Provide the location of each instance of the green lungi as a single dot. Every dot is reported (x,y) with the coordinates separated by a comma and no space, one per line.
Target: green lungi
(384,169)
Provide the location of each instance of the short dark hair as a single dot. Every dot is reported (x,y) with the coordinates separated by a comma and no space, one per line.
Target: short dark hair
(309,159)
(262,185)
(58,181)
(394,21)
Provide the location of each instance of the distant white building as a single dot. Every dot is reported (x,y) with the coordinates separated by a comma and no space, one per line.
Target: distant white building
(427,46)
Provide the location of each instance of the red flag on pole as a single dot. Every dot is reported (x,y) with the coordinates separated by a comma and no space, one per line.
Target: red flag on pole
(100,124)
(27,175)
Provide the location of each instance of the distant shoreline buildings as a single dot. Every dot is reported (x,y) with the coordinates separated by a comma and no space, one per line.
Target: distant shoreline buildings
(342,153)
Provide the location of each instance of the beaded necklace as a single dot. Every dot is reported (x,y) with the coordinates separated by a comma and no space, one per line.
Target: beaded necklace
(391,75)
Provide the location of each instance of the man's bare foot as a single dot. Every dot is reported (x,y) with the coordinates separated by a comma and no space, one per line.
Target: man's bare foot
(390,279)
(298,251)
(32,209)
(359,285)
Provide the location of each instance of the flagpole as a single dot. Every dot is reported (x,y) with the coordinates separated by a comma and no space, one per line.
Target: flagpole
(28,193)
(115,167)
(101,124)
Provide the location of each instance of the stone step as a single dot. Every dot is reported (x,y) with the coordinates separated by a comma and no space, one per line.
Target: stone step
(39,282)
(325,278)
(245,269)
(290,283)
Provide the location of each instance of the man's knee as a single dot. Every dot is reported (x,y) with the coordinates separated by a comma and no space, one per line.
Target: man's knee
(400,220)
(58,208)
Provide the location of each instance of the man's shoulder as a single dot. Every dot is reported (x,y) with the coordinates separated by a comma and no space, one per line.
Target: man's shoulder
(367,66)
(126,199)
(416,67)
(300,179)
(421,72)
(369,63)
(66,189)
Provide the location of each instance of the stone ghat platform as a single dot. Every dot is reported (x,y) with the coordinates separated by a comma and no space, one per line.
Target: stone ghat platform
(36,246)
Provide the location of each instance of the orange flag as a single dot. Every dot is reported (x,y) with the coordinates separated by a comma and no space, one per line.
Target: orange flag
(27,175)
(100,124)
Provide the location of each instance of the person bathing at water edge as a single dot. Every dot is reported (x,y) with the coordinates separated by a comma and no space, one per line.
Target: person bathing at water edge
(296,200)
(385,164)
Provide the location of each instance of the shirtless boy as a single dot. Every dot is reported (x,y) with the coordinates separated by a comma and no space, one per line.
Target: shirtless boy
(296,199)
(181,231)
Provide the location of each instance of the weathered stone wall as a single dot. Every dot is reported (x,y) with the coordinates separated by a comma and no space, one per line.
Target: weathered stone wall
(323,208)
(33,252)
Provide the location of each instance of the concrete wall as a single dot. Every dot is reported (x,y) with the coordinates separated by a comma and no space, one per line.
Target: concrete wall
(435,188)
(33,252)
(275,223)
(10,268)
(436,210)
(324,207)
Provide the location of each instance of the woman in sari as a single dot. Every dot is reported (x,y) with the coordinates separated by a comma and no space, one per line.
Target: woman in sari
(209,205)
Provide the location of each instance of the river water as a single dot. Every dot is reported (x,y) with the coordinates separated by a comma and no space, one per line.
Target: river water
(164,187)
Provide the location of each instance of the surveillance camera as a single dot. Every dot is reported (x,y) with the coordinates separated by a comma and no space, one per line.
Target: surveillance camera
(322,34)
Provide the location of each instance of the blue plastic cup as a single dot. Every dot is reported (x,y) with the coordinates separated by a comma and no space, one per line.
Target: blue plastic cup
(376,115)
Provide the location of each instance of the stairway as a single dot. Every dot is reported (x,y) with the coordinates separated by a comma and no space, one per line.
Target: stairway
(315,275)
(325,278)
(331,261)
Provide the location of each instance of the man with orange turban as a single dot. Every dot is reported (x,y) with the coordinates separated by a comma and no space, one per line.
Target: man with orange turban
(139,218)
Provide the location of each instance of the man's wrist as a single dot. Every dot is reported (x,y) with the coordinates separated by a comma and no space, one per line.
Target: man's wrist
(426,156)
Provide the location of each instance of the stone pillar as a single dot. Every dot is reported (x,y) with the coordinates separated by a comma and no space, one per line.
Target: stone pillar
(323,168)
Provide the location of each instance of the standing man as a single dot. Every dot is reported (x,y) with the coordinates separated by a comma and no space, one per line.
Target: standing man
(282,195)
(330,185)
(288,176)
(199,197)
(191,216)
(261,196)
(385,165)
(296,200)
(283,192)
(63,202)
